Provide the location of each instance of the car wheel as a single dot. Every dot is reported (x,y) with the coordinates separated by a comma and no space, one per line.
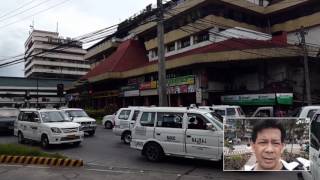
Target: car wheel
(153,152)
(91,133)
(77,143)
(21,139)
(45,142)
(108,125)
(127,137)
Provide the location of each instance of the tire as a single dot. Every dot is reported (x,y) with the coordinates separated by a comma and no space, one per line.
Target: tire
(153,152)
(108,125)
(76,144)
(91,133)
(21,139)
(45,142)
(126,137)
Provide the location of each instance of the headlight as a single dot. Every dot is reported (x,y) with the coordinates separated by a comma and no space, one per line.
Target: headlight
(55,130)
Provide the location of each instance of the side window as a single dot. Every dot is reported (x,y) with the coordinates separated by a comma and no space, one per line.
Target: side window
(220,112)
(20,116)
(263,113)
(147,119)
(26,116)
(135,115)
(231,112)
(311,113)
(169,120)
(315,133)
(197,121)
(34,115)
(124,114)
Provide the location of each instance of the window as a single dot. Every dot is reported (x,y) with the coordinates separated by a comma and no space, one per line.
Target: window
(231,112)
(147,119)
(311,113)
(220,112)
(124,115)
(169,120)
(315,133)
(184,42)
(29,116)
(197,121)
(135,115)
(20,116)
(204,36)
(170,47)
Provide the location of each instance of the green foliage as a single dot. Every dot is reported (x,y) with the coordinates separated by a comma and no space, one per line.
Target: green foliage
(20,150)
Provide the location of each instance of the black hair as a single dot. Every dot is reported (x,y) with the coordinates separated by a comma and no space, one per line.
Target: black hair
(265,124)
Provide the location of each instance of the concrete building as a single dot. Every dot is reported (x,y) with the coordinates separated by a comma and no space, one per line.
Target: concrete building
(59,57)
(42,92)
(241,52)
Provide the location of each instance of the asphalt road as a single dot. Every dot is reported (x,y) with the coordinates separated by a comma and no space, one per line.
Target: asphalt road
(105,156)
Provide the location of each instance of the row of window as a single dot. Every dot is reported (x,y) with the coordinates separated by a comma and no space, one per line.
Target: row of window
(167,119)
(182,43)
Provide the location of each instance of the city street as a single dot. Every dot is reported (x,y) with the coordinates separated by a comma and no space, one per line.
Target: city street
(106,157)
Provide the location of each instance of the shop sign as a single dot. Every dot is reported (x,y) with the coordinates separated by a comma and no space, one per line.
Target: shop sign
(181,80)
(284,98)
(254,99)
(131,93)
(130,88)
(148,85)
(181,89)
(150,92)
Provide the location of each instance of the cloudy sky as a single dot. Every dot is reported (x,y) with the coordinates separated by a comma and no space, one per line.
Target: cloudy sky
(74,17)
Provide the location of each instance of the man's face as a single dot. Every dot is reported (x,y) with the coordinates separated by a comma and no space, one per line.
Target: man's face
(268,149)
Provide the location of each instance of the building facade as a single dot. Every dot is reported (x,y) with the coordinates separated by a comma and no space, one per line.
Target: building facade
(49,56)
(243,52)
(30,92)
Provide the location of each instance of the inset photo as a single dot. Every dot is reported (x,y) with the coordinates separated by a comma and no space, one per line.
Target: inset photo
(266,144)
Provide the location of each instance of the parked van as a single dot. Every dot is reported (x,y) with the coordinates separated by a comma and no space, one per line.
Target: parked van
(184,132)
(47,126)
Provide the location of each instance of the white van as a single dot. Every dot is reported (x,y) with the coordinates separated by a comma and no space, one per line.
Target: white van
(228,111)
(47,126)
(190,133)
(124,121)
(77,115)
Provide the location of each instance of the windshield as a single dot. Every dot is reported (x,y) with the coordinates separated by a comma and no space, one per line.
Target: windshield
(9,113)
(77,113)
(220,112)
(214,120)
(54,116)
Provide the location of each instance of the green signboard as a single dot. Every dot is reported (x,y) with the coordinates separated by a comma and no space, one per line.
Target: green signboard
(181,80)
(258,99)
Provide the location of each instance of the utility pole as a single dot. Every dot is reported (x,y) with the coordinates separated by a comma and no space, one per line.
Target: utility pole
(162,87)
(302,33)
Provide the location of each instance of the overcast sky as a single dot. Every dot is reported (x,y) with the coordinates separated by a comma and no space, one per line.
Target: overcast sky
(75,18)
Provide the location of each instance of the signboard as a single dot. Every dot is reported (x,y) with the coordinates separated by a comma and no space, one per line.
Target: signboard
(131,93)
(129,88)
(284,98)
(148,85)
(150,92)
(252,99)
(181,80)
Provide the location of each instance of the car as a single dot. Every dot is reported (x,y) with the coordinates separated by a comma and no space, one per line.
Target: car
(77,115)
(307,111)
(48,126)
(108,121)
(7,118)
(184,132)
(124,121)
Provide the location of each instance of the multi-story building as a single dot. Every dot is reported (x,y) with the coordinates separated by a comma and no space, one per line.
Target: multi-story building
(31,92)
(243,52)
(49,56)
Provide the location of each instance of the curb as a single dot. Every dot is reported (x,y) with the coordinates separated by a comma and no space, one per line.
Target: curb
(4,159)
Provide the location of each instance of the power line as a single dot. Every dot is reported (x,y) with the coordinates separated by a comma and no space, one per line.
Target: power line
(58,4)
(20,7)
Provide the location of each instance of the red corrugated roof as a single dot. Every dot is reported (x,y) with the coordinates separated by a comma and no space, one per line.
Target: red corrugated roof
(131,54)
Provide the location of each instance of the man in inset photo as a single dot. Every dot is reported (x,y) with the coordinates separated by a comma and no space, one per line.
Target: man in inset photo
(268,138)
